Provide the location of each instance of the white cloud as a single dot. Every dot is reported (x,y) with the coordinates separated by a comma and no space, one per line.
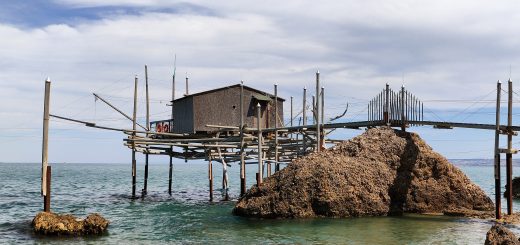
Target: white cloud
(441,48)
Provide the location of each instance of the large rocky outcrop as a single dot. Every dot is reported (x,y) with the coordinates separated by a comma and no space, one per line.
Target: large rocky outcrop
(54,224)
(380,172)
(499,235)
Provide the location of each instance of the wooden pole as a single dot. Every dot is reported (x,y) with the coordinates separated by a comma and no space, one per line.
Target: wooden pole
(45,142)
(134,121)
(210,177)
(322,113)
(47,197)
(304,116)
(187,84)
(276,157)
(170,172)
(509,155)
(242,156)
(387,104)
(317,110)
(291,122)
(260,162)
(403,123)
(498,206)
(145,184)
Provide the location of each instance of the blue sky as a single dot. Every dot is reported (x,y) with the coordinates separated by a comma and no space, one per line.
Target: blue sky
(449,54)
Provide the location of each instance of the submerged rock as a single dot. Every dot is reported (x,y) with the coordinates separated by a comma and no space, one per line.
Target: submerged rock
(499,235)
(381,172)
(516,188)
(54,224)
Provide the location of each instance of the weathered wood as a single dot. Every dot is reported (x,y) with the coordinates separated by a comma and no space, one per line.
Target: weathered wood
(210,177)
(276,166)
(170,175)
(317,112)
(242,157)
(498,196)
(47,197)
(45,138)
(145,184)
(134,123)
(260,163)
(509,155)
(116,109)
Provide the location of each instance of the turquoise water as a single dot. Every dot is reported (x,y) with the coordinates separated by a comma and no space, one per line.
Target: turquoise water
(188,217)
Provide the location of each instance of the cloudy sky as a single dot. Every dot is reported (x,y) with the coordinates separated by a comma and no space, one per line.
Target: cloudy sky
(448,53)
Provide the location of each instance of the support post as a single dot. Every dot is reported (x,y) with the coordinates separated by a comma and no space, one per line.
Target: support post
(260,162)
(242,157)
(509,155)
(317,110)
(387,104)
(210,177)
(322,120)
(170,172)
(403,121)
(498,206)
(276,165)
(134,121)
(45,144)
(187,92)
(145,184)
(304,116)
(47,197)
(291,122)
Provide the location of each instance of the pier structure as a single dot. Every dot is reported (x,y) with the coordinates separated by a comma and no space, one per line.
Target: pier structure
(242,125)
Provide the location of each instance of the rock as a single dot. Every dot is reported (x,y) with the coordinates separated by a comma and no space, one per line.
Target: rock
(48,223)
(380,172)
(499,235)
(516,188)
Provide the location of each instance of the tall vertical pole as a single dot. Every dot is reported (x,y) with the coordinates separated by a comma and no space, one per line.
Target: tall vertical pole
(242,156)
(45,145)
(498,206)
(145,187)
(403,122)
(210,177)
(291,122)
(134,118)
(322,113)
(304,116)
(509,155)
(260,162)
(387,104)
(276,154)
(170,173)
(317,110)
(170,170)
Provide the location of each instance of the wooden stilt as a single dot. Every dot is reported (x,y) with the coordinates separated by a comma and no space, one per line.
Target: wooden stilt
(276,165)
(509,155)
(134,121)
(317,112)
(145,184)
(304,116)
(210,177)
(260,162)
(170,175)
(45,189)
(403,121)
(498,206)
(47,197)
(242,156)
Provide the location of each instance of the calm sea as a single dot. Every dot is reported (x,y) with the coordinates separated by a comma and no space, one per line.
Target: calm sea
(188,217)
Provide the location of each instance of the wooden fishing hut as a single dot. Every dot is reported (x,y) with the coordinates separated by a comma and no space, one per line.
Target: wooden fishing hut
(204,112)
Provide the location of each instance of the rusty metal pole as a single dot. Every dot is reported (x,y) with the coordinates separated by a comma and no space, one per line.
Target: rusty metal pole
(45,143)
(509,155)
(260,162)
(134,121)
(498,206)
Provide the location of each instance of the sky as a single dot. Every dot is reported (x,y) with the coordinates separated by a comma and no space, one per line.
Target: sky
(450,54)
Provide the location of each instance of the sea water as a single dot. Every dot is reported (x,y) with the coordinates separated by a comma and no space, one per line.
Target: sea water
(188,217)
